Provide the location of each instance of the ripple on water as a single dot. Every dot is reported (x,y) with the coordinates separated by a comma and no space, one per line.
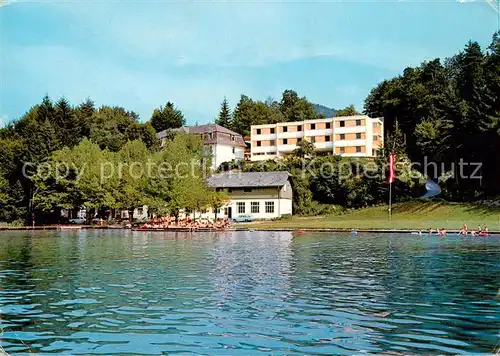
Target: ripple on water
(103,292)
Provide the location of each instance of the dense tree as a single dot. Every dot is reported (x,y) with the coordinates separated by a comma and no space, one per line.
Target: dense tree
(167,117)
(249,112)
(112,127)
(295,108)
(304,149)
(132,177)
(448,113)
(225,118)
(347,111)
(46,128)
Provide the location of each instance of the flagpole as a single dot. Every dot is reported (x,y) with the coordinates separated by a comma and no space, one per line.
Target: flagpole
(391,180)
(390,201)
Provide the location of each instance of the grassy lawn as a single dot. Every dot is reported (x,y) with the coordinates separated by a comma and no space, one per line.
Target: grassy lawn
(410,215)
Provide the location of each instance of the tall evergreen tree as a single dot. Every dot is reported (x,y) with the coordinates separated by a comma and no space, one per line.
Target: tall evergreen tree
(168,117)
(224,119)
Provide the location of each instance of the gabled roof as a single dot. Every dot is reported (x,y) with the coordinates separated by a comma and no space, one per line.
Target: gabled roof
(220,134)
(248,179)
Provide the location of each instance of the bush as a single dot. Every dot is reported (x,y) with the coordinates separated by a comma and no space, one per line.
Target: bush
(322,209)
(283,217)
(18,222)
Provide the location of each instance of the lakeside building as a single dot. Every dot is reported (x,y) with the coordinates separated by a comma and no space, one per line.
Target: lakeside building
(224,144)
(354,136)
(262,195)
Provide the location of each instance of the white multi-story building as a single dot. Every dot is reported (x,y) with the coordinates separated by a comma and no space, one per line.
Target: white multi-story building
(262,195)
(224,144)
(355,136)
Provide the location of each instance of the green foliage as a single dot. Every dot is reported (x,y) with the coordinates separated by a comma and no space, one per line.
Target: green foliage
(291,108)
(4,184)
(112,128)
(218,200)
(321,185)
(295,108)
(224,119)
(448,111)
(46,128)
(347,111)
(304,149)
(168,117)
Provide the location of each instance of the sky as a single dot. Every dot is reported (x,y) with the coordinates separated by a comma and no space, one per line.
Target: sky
(141,54)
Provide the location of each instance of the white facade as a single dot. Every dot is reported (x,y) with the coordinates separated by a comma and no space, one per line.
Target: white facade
(225,153)
(269,208)
(259,202)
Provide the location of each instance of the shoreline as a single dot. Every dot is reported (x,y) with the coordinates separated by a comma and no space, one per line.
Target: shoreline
(181,229)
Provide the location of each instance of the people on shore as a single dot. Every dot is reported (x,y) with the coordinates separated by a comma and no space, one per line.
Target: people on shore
(187,223)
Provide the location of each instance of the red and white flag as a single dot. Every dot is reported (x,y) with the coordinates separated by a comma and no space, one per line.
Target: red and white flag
(392,163)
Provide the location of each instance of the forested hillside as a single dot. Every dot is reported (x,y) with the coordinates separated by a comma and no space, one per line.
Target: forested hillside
(449,112)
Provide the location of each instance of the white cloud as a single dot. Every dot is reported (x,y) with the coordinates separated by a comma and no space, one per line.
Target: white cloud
(6,2)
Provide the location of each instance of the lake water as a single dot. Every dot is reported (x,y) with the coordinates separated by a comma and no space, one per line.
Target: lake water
(115,292)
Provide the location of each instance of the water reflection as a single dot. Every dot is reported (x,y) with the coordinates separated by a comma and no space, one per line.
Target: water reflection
(115,292)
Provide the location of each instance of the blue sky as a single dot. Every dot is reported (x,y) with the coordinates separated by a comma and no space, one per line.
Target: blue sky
(141,54)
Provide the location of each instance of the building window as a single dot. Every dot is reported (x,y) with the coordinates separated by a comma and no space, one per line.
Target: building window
(272,130)
(327,138)
(342,136)
(375,137)
(234,150)
(342,149)
(299,128)
(254,207)
(269,207)
(342,123)
(358,122)
(313,139)
(241,207)
(374,153)
(358,136)
(247,190)
(358,149)
(299,140)
(313,126)
(259,143)
(285,141)
(273,143)
(328,125)
(258,131)
(140,211)
(232,137)
(375,125)
(285,128)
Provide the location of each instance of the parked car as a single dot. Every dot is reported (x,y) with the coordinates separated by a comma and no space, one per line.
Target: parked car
(243,218)
(77,221)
